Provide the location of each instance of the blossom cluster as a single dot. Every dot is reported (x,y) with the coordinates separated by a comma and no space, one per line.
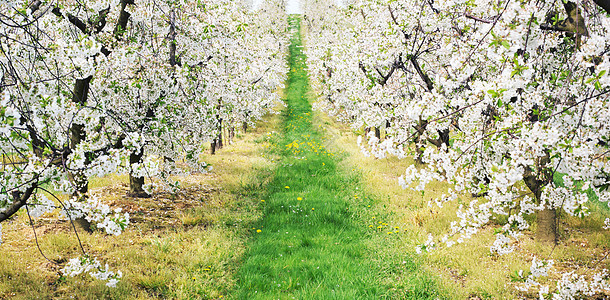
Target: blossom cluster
(98,214)
(570,286)
(93,267)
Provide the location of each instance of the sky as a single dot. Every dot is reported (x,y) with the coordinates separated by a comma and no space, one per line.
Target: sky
(292,6)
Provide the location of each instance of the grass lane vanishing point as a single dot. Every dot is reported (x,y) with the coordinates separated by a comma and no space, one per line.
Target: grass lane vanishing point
(312,241)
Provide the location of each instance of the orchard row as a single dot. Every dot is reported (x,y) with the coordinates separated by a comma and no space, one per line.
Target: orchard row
(89,88)
(507,101)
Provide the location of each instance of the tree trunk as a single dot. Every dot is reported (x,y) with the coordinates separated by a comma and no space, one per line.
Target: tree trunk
(421,129)
(420,152)
(547,226)
(219,144)
(244,126)
(77,135)
(547,218)
(387,125)
(79,97)
(136,183)
(231,134)
(213,147)
(378,133)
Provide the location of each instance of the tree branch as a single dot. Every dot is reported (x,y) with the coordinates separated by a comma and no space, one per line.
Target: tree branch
(19,200)
(421,73)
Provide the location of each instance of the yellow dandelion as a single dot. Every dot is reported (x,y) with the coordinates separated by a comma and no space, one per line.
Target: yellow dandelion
(370,226)
(262,200)
(313,208)
(299,198)
(259,231)
(287,187)
(389,232)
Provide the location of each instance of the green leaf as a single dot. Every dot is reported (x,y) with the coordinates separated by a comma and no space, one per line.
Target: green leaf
(601,73)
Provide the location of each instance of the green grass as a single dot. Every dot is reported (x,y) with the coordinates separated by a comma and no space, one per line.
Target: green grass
(314,240)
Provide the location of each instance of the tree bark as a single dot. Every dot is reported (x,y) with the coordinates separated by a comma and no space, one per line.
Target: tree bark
(121,24)
(547,218)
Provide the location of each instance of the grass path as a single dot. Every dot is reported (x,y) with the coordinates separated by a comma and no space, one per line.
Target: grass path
(312,241)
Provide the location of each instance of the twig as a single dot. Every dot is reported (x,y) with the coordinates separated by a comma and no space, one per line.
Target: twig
(69,218)
(469,16)
(27,209)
